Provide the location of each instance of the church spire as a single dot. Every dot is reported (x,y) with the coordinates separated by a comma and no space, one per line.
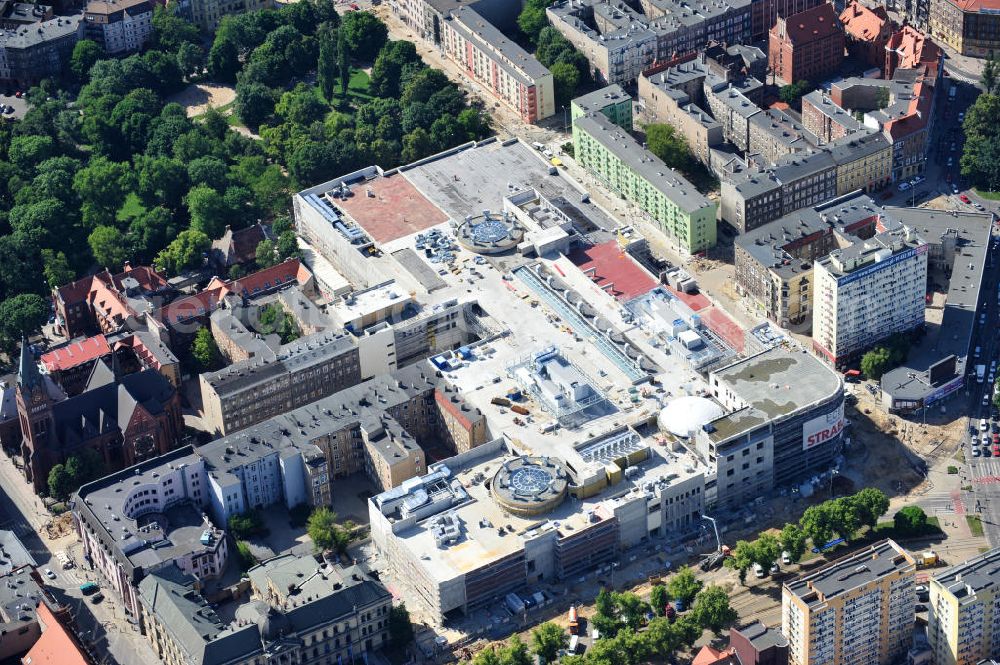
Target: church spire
(28,375)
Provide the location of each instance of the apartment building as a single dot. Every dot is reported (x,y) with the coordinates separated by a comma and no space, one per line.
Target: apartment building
(32,52)
(674,97)
(774,262)
(807,46)
(963,625)
(207,14)
(120,26)
(867,292)
(764,14)
(867,31)
(971,27)
(329,614)
(679,210)
(272,382)
(858,610)
(754,194)
(610,100)
(494,61)
(621,42)
(825,119)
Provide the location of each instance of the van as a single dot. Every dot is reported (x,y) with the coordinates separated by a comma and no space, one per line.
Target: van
(538,146)
(574,643)
(758,571)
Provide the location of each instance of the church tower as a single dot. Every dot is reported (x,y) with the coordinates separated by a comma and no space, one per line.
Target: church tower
(34,408)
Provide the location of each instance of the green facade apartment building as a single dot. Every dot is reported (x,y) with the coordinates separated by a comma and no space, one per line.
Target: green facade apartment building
(612,101)
(680,211)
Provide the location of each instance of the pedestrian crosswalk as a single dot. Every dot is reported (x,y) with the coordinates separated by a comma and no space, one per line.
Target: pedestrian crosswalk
(986,468)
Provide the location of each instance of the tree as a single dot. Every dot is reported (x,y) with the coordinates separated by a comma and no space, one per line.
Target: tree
(364,34)
(171,32)
(989,77)
(190,59)
(400,627)
(208,211)
(844,517)
(711,608)
(255,104)
(387,71)
(327,66)
(85,54)
(57,270)
(205,351)
(60,483)
(792,93)
(659,597)
(875,363)
(325,533)
(767,549)
(565,81)
(107,247)
(631,609)
(265,255)
(245,525)
(515,652)
(301,106)
(664,142)
(547,640)
(793,541)
(245,556)
(22,314)
(27,152)
(684,586)
(981,153)
(186,251)
(871,504)
(223,59)
(287,246)
(487,656)
(343,62)
(102,186)
(743,556)
(910,520)
(881,98)
(532,19)
(817,524)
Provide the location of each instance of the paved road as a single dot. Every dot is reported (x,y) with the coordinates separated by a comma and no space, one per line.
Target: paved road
(104,627)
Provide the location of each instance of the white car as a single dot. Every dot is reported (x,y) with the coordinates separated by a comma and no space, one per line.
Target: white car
(903,186)
(786,557)
(758,571)
(49,574)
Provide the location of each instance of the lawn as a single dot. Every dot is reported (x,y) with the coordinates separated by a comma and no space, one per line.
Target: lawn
(986,194)
(360,84)
(975,524)
(131,208)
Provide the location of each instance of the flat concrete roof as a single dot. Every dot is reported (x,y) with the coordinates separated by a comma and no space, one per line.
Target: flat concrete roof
(855,570)
(395,209)
(953,335)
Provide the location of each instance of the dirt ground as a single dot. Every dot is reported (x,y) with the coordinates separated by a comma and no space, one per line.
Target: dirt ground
(197,98)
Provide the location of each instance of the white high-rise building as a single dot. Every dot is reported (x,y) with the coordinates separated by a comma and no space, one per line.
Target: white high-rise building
(868,291)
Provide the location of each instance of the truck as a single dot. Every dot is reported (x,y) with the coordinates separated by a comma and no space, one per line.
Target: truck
(574,622)
(980,373)
(927,559)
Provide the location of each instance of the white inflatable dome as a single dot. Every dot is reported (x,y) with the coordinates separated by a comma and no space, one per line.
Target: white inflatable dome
(686,415)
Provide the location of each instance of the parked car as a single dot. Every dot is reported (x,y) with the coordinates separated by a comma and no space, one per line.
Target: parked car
(96,598)
(975,452)
(964,199)
(786,557)
(758,571)
(49,574)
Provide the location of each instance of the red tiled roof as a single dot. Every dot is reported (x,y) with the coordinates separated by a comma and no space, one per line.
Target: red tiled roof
(76,354)
(55,646)
(712,656)
(260,281)
(863,23)
(812,24)
(976,5)
(916,115)
(914,49)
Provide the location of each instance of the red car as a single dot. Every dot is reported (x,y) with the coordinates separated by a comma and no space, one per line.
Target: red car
(964,199)
(996,451)
(996,438)
(18,94)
